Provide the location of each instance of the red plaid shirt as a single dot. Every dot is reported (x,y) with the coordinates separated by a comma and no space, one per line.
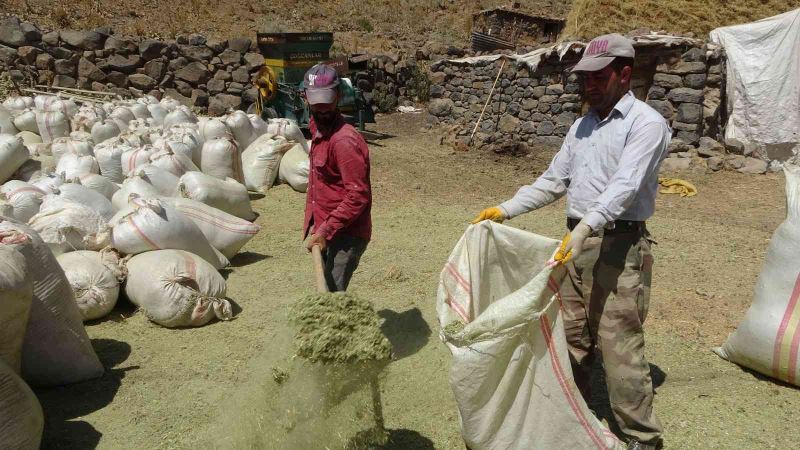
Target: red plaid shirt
(339,196)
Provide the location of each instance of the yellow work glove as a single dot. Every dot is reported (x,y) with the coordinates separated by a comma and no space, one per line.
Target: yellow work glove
(572,244)
(494,214)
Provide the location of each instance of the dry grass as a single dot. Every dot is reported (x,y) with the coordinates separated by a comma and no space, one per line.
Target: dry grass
(590,18)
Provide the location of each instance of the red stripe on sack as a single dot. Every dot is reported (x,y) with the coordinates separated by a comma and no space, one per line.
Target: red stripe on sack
(220,226)
(459,279)
(565,388)
(191,267)
(26,189)
(141,234)
(787,315)
(553,286)
(131,164)
(453,304)
(204,213)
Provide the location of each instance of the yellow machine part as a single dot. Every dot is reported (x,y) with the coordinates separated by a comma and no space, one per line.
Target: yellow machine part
(267,83)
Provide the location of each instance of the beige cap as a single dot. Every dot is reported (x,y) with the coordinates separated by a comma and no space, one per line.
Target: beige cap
(602,50)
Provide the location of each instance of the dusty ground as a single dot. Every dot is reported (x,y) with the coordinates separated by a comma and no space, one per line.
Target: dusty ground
(166,388)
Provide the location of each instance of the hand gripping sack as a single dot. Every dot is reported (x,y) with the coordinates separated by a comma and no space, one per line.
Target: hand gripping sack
(511,374)
(227,195)
(24,197)
(225,232)
(135,186)
(768,337)
(176,289)
(294,169)
(56,349)
(16,292)
(261,162)
(148,225)
(67,226)
(221,159)
(13,155)
(21,417)
(95,278)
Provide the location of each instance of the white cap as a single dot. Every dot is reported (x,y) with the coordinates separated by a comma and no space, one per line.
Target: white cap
(602,50)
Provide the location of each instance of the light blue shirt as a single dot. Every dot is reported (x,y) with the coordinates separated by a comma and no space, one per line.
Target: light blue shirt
(608,168)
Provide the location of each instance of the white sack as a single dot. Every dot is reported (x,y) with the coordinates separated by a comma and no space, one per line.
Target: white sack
(21,417)
(51,125)
(511,374)
(260,127)
(49,183)
(175,163)
(225,232)
(288,129)
(71,165)
(78,193)
(105,130)
(26,121)
(13,155)
(294,168)
(165,182)
(767,337)
(66,145)
(32,142)
(88,115)
(221,158)
(7,122)
(140,111)
(109,159)
(16,292)
(134,158)
(56,350)
(261,161)
(763,80)
(25,198)
(95,278)
(211,128)
(180,114)
(98,183)
(150,224)
(18,103)
(242,129)
(68,226)
(176,289)
(227,195)
(158,113)
(132,186)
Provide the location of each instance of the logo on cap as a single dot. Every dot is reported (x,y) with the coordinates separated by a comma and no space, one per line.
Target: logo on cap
(597,47)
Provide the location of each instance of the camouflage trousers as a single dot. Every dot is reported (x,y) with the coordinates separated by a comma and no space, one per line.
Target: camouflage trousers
(605,298)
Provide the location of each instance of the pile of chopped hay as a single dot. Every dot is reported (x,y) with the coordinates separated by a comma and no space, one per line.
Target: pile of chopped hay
(338,328)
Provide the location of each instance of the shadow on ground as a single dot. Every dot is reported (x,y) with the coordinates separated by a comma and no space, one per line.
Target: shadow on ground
(62,404)
(407,331)
(407,440)
(246,258)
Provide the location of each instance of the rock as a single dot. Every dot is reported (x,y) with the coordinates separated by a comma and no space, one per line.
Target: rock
(663,107)
(46,77)
(528,128)
(707,144)
(89,71)
(65,67)
(178,63)
(64,81)
(530,104)
(60,53)
(28,54)
(199,98)
(572,88)
(195,73)
(689,136)
(196,52)
(555,109)
(569,98)
(682,68)
(222,75)
(124,64)
(11,32)
(455,51)
(734,146)
(685,95)
(84,40)
(734,162)
(119,45)
(51,38)
(667,81)
(240,45)
(513,108)
(45,62)
(434,91)
(695,54)
(545,128)
(680,126)
(240,75)
(250,95)
(690,113)
(184,88)
(215,86)
(715,163)
(221,103)
(197,39)
(151,48)
(548,99)
(182,99)
(678,145)
(118,79)
(554,89)
(753,166)
(539,91)
(97,86)
(566,118)
(31,32)
(253,61)
(155,69)
(695,80)
(676,164)
(136,93)
(440,107)
(7,55)
(508,124)
(235,88)
(230,56)
(142,82)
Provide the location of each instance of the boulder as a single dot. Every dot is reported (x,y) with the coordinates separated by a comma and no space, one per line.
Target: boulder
(240,45)
(663,107)
(682,68)
(545,128)
(215,46)
(119,45)
(734,146)
(667,81)
(118,79)
(51,38)
(695,80)
(566,118)
(183,100)
(676,164)
(539,91)
(715,163)
(690,113)
(87,69)
(695,54)
(223,75)
(229,57)
(678,146)
(240,75)
(28,54)
(124,64)
(197,39)
(84,40)
(530,104)
(689,136)
(253,61)
(199,98)
(196,52)
(44,61)
(60,52)
(64,81)
(195,73)
(184,88)
(656,93)
(508,124)
(440,107)
(65,67)
(554,89)
(709,147)
(215,86)
(31,32)
(754,166)
(155,69)
(680,126)
(11,32)
(685,95)
(235,88)
(434,91)
(221,103)
(151,48)
(8,55)
(142,82)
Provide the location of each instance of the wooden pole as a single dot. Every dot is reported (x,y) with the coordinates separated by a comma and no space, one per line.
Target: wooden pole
(319,273)
(491,92)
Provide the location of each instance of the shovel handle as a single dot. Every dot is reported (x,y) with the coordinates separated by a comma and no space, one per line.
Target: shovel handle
(319,272)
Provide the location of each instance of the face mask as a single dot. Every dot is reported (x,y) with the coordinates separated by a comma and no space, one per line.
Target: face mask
(324,120)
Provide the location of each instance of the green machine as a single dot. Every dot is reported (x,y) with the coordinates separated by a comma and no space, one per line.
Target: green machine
(287,57)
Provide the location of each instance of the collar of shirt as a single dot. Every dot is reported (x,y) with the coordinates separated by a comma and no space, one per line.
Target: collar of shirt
(623,107)
(317,134)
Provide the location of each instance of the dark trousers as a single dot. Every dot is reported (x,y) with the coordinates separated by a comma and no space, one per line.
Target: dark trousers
(341,259)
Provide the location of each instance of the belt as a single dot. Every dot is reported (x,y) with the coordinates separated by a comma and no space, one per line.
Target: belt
(617,226)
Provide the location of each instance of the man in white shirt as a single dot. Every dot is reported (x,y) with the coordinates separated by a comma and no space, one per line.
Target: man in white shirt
(608,168)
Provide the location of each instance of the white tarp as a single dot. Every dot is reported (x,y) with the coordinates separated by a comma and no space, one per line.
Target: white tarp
(511,374)
(763,80)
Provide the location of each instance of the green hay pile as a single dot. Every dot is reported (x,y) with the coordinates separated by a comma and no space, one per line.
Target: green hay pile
(453,328)
(338,328)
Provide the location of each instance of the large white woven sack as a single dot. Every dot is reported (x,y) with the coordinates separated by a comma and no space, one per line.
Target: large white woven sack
(176,288)
(21,417)
(221,158)
(122,116)
(51,125)
(175,163)
(77,193)
(242,129)
(288,129)
(56,349)
(98,183)
(184,139)
(18,103)
(225,232)
(109,158)
(180,114)
(135,186)
(88,115)
(165,182)
(67,226)
(227,195)
(25,120)
(212,128)
(261,161)
(140,111)
(260,126)
(95,278)
(768,337)
(49,183)
(16,292)
(7,122)
(13,155)
(294,168)
(105,130)
(30,170)
(25,198)
(71,165)
(510,373)
(69,145)
(135,158)
(157,112)
(150,224)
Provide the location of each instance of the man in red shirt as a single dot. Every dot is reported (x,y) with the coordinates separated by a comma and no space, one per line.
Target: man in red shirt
(339,196)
